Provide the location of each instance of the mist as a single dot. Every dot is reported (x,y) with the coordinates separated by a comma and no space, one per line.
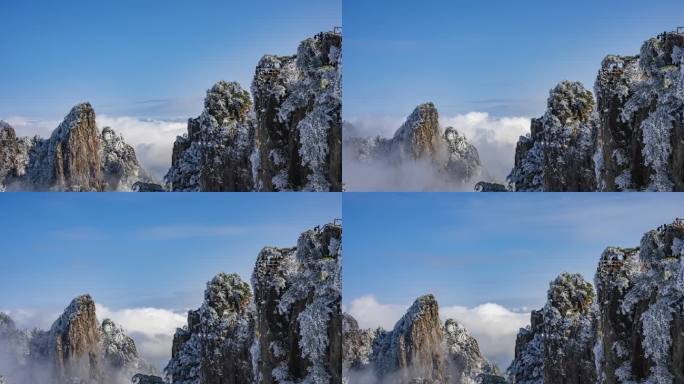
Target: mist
(494,137)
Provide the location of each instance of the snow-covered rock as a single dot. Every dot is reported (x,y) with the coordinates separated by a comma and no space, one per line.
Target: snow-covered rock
(558,153)
(76,157)
(558,345)
(420,349)
(76,349)
(420,139)
(288,331)
(631,332)
(287,138)
(632,140)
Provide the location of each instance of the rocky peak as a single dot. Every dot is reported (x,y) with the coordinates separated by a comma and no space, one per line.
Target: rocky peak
(465,362)
(118,348)
(76,349)
(357,344)
(632,139)
(290,139)
(558,345)
(288,331)
(420,133)
(227,101)
(557,155)
(298,309)
(76,157)
(413,349)
(640,321)
(571,294)
(464,159)
(420,349)
(420,139)
(570,101)
(73,152)
(214,346)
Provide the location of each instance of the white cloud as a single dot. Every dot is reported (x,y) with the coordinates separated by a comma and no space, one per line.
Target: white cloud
(152,329)
(371,314)
(152,139)
(494,326)
(494,137)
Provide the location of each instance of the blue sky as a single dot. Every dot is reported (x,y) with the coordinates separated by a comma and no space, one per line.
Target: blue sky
(142,58)
(495,56)
(141,250)
(470,249)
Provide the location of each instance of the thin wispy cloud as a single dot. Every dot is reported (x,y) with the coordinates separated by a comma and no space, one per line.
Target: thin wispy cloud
(169,232)
(80,233)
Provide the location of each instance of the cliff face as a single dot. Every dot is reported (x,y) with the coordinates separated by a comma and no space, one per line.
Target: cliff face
(420,349)
(641,115)
(214,347)
(558,345)
(420,139)
(414,347)
(557,155)
(287,331)
(290,139)
(633,333)
(76,157)
(641,320)
(76,349)
(630,141)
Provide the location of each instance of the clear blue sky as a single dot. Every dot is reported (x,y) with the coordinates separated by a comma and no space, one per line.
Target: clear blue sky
(131,251)
(144,58)
(470,249)
(496,56)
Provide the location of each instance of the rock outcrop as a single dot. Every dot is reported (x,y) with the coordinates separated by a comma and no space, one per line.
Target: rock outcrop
(76,157)
(420,349)
(77,349)
(288,138)
(420,140)
(558,153)
(632,140)
(289,330)
(641,319)
(632,333)
(558,345)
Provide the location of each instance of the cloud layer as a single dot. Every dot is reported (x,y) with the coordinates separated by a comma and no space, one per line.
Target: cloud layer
(494,137)
(152,139)
(494,326)
(152,329)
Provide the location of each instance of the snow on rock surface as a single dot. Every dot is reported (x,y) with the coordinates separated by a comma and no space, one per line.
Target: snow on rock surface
(288,137)
(76,349)
(420,349)
(558,345)
(420,139)
(631,332)
(557,154)
(288,330)
(635,133)
(76,157)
